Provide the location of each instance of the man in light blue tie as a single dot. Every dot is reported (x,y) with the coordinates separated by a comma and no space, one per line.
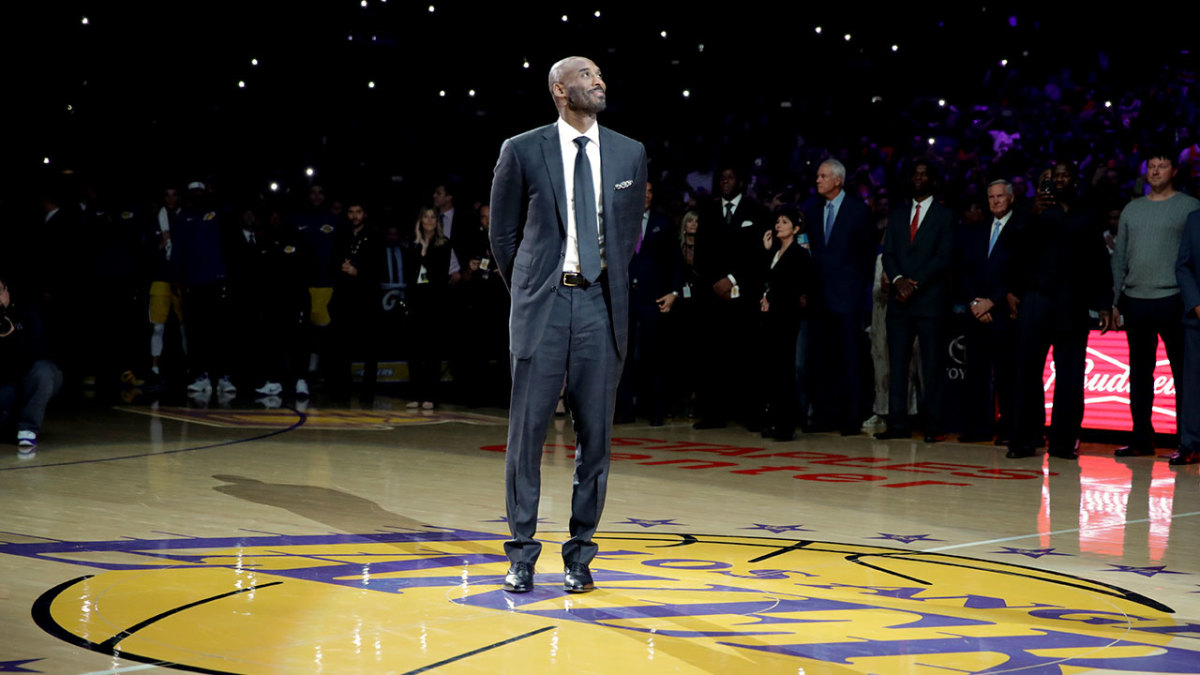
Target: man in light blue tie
(566,209)
(844,242)
(984,259)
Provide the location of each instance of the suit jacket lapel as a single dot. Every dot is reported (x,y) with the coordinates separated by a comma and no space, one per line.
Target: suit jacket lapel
(606,193)
(552,152)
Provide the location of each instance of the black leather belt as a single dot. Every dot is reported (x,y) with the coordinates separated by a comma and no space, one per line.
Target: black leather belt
(577,280)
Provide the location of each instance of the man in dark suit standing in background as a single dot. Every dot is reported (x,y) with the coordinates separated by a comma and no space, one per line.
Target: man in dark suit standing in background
(1060,272)
(581,189)
(1187,273)
(984,260)
(917,251)
(729,251)
(843,241)
(653,278)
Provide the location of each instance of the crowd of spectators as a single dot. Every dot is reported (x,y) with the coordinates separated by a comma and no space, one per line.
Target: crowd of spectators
(778,282)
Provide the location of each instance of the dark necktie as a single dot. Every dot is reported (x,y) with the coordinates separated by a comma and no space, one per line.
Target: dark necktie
(728,213)
(912,229)
(587,229)
(828,220)
(994,237)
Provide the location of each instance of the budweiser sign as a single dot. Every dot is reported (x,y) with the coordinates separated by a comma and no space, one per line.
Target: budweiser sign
(1106,386)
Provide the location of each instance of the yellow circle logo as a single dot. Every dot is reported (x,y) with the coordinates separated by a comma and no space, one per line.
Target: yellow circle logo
(409,601)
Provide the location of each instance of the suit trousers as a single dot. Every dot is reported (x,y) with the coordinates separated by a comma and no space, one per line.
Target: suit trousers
(834,363)
(989,378)
(1038,329)
(1145,321)
(577,344)
(1187,405)
(902,328)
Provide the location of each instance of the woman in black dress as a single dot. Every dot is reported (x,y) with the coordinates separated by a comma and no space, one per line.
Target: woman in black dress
(782,305)
(427,273)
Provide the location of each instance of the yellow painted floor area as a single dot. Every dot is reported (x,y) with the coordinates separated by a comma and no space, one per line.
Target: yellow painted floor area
(161,539)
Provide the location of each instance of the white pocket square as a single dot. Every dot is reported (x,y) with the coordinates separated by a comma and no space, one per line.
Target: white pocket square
(623,185)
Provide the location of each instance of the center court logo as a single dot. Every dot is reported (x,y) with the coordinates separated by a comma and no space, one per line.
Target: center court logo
(414,600)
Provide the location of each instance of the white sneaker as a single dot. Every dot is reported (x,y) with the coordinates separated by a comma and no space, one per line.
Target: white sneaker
(225,385)
(301,387)
(413,404)
(26,441)
(268,389)
(202,385)
(427,405)
(875,421)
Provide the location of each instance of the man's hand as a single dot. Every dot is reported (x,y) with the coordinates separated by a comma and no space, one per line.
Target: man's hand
(905,287)
(664,303)
(455,277)
(1106,322)
(1196,311)
(1013,303)
(723,287)
(349,269)
(1116,318)
(982,307)
(764,304)
(164,240)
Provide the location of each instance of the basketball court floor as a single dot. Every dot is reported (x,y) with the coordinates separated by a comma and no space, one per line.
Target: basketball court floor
(225,540)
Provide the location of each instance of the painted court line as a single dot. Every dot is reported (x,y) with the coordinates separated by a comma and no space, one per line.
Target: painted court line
(938,549)
(128,669)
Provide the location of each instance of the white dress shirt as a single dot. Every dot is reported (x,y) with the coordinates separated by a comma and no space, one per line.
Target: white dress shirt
(566,140)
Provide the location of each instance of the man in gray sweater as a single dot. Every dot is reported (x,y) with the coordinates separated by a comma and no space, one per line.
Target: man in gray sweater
(1144,282)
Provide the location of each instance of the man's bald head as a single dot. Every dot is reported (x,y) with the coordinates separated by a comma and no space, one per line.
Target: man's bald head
(576,84)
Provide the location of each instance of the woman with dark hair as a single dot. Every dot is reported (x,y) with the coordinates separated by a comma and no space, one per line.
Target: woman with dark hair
(782,305)
(427,273)
(684,319)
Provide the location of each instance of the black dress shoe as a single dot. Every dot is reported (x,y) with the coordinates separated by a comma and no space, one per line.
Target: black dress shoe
(1182,457)
(934,438)
(1019,453)
(709,424)
(656,421)
(1133,451)
(577,578)
(890,433)
(768,432)
(1063,453)
(851,431)
(783,433)
(624,418)
(519,578)
(1001,441)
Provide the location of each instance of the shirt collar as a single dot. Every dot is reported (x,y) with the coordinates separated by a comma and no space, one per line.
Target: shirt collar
(737,199)
(925,203)
(1004,219)
(837,201)
(567,133)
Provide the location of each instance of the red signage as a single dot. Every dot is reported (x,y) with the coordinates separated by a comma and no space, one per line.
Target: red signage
(1106,386)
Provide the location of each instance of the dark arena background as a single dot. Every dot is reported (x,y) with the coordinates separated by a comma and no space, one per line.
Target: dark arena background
(330,498)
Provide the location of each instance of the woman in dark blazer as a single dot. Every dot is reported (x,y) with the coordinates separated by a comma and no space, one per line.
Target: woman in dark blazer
(427,273)
(782,305)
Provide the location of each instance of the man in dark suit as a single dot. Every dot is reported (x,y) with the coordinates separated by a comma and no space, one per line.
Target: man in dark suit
(917,252)
(1059,273)
(985,254)
(653,278)
(843,241)
(581,189)
(1187,273)
(729,256)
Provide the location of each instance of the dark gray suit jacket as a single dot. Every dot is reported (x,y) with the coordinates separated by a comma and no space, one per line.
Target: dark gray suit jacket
(926,260)
(529,227)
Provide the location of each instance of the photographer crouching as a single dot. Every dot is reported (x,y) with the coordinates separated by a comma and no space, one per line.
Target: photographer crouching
(28,378)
